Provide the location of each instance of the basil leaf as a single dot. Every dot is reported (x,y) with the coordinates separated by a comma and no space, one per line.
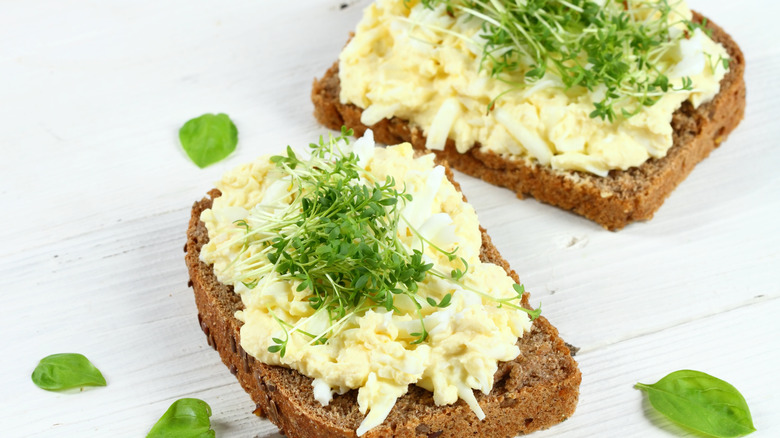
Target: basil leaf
(186,418)
(701,402)
(66,371)
(209,138)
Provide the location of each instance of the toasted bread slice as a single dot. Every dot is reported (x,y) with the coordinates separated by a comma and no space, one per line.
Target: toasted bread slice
(613,201)
(538,389)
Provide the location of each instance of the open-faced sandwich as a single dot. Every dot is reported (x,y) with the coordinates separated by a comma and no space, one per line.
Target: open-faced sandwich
(601,107)
(352,291)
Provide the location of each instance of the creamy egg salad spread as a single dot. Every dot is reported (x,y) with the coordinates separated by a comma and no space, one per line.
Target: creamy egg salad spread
(423,62)
(449,320)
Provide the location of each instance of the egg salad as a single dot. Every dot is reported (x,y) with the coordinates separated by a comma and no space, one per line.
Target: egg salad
(317,291)
(426,62)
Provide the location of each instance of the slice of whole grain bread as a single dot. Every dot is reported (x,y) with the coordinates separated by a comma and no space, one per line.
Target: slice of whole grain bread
(613,201)
(538,389)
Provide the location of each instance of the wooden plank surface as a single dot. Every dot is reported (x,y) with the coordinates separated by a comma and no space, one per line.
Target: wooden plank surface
(96,195)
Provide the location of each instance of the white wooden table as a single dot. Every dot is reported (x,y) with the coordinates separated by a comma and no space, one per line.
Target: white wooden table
(96,194)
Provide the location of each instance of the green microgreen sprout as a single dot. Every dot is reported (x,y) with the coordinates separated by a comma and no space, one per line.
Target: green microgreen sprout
(280,345)
(337,240)
(458,274)
(616,48)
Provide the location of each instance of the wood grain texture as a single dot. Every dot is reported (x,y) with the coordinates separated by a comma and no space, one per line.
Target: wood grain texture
(96,195)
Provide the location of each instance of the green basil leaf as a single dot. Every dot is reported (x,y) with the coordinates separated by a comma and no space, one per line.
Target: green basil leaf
(66,371)
(209,138)
(701,402)
(186,418)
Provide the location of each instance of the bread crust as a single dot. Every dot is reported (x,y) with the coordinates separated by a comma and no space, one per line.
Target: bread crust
(613,201)
(538,389)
